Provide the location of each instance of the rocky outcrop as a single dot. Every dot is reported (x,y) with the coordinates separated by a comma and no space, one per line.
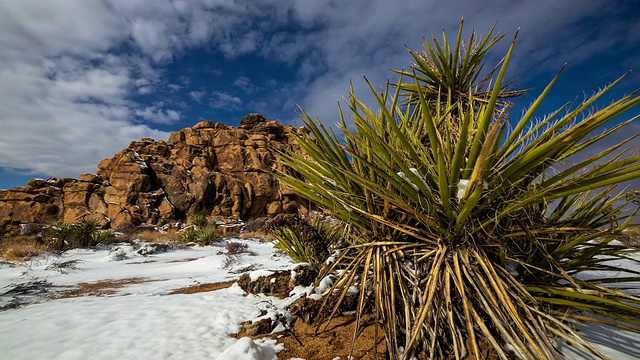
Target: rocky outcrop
(211,167)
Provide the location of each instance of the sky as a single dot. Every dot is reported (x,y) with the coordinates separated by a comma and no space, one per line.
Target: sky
(81,79)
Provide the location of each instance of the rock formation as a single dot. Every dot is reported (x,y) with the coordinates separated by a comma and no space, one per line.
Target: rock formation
(210,167)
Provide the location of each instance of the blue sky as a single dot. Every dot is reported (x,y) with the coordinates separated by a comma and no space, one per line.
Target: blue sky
(80,79)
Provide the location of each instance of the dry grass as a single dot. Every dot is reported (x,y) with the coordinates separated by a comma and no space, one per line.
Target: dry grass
(20,248)
(150,235)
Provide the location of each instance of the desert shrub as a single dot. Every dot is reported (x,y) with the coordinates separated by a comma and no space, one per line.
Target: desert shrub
(235,248)
(188,235)
(58,235)
(302,240)
(169,235)
(207,236)
(83,234)
(64,266)
(289,241)
(102,237)
(470,234)
(200,220)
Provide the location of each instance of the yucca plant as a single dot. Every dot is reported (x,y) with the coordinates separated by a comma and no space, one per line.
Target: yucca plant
(188,235)
(473,234)
(304,240)
(200,220)
(289,241)
(208,236)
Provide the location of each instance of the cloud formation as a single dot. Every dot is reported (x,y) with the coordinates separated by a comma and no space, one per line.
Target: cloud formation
(74,75)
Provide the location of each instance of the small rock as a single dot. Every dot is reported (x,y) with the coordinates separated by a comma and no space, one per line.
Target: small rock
(260,327)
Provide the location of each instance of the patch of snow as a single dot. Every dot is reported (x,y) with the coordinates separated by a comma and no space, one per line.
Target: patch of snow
(417,173)
(331,259)
(324,285)
(300,290)
(407,180)
(462,188)
(247,349)
(258,273)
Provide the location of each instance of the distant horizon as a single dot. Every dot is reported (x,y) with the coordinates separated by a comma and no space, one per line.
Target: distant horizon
(81,80)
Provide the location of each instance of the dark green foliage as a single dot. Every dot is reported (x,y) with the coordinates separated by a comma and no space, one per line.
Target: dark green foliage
(86,233)
(200,220)
(188,235)
(208,235)
(304,241)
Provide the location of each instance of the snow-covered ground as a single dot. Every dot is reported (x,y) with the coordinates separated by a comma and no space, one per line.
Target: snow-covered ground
(137,321)
(140,321)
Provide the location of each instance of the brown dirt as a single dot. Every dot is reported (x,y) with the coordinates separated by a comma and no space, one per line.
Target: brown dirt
(203,288)
(101,288)
(182,260)
(142,262)
(329,340)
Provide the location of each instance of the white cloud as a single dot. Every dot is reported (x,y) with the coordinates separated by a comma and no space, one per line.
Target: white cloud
(244,83)
(154,39)
(158,115)
(225,101)
(197,95)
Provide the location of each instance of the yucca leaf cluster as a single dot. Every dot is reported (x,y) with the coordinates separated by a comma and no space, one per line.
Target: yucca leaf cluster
(471,228)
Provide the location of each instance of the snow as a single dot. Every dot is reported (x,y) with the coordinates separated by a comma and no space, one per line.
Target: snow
(247,349)
(462,188)
(255,275)
(140,320)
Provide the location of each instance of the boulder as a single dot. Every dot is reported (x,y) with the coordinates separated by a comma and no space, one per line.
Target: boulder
(224,170)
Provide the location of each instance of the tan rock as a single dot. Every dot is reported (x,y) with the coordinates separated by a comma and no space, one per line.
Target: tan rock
(210,166)
(204,124)
(93,178)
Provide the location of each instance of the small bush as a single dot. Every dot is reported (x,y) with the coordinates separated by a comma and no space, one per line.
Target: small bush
(102,237)
(17,254)
(83,234)
(200,220)
(58,235)
(188,235)
(208,236)
(289,240)
(235,248)
(302,240)
(64,266)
